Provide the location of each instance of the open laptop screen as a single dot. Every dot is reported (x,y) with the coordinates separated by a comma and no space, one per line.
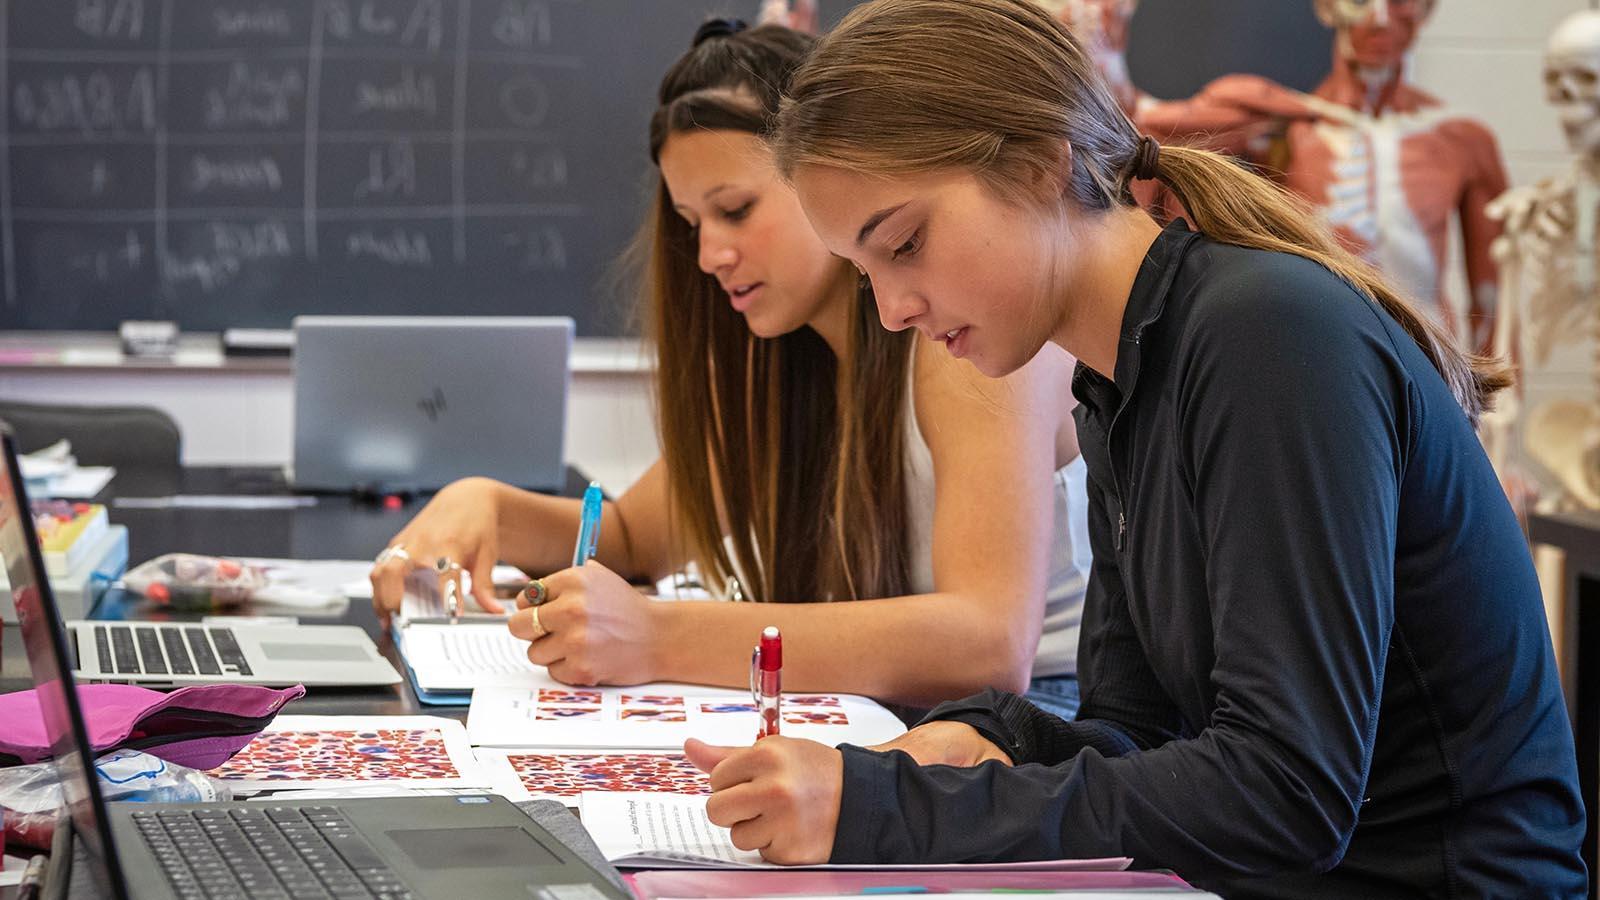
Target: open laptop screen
(46,641)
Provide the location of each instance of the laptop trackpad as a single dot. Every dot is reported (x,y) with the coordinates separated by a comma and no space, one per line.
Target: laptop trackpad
(315,652)
(472,848)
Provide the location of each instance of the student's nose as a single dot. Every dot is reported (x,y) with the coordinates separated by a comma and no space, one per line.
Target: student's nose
(898,308)
(1380,13)
(717,253)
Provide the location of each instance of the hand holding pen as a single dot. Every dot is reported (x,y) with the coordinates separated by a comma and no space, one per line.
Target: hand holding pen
(586,623)
(536,594)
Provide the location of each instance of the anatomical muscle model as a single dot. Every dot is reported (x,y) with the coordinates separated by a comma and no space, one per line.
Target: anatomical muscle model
(1390,168)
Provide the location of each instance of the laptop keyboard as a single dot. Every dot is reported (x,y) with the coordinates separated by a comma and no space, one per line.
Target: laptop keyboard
(266,853)
(163,650)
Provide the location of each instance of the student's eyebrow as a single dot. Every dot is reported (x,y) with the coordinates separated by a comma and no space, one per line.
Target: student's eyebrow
(714,191)
(874,221)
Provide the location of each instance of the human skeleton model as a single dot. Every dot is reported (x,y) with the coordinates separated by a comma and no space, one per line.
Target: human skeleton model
(1551,280)
(1385,163)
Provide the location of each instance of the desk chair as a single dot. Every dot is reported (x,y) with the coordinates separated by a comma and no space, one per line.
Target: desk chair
(128,437)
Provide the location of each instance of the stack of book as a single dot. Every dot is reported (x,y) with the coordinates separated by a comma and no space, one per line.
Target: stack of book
(68,532)
(81,549)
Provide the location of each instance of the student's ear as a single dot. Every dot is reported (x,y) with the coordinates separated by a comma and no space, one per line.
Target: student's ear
(1045,177)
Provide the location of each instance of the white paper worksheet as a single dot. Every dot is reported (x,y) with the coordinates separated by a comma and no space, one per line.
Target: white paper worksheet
(662,716)
(669,831)
(464,656)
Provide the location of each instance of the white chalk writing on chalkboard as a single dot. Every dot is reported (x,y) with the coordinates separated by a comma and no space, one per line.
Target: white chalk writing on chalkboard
(108,264)
(391,171)
(224,248)
(254,95)
(523,25)
(425,21)
(397,247)
(545,168)
(411,92)
(91,104)
(255,174)
(110,18)
(262,20)
(538,250)
(227,161)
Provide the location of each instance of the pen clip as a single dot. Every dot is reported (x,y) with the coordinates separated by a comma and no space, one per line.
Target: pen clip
(755,669)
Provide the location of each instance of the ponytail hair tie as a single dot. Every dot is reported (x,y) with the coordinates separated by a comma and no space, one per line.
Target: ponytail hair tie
(713,28)
(1146,160)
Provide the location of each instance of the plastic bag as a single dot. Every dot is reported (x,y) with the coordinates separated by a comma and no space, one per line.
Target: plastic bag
(30,796)
(194,583)
(191,582)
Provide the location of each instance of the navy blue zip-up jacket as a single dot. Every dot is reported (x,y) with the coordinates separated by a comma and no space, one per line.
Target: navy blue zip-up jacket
(1314,658)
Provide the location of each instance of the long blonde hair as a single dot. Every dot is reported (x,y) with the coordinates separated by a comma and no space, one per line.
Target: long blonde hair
(995,87)
(800,451)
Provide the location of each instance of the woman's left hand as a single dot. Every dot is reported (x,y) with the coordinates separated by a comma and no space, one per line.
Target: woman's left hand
(595,628)
(780,796)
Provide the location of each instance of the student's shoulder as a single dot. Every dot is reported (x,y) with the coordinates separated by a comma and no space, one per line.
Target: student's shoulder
(1228,284)
(1244,301)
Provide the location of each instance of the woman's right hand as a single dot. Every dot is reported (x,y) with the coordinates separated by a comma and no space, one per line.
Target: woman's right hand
(461,524)
(946,743)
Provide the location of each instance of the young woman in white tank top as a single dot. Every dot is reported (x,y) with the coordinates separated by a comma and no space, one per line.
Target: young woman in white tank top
(1055,684)
(781,401)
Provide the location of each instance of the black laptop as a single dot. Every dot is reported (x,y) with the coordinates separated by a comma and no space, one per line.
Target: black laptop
(403,847)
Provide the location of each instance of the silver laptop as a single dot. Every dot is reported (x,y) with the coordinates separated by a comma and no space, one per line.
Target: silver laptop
(161,654)
(469,845)
(413,403)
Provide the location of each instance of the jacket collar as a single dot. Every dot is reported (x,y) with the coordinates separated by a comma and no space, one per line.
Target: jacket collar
(1146,303)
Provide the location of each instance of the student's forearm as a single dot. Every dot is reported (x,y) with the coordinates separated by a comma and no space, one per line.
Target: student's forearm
(538,533)
(912,650)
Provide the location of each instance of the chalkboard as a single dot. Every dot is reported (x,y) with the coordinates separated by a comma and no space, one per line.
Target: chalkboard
(234,163)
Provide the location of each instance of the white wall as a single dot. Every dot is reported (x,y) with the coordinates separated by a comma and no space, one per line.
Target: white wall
(1485,58)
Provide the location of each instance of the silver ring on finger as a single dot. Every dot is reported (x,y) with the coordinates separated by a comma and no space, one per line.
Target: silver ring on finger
(394,551)
(535,593)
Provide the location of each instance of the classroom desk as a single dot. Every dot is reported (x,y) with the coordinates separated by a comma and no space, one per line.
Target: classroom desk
(336,528)
(1578,535)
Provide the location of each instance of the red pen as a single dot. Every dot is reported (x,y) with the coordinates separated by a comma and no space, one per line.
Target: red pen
(766,679)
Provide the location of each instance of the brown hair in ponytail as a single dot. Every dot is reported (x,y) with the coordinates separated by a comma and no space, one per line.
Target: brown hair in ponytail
(994,87)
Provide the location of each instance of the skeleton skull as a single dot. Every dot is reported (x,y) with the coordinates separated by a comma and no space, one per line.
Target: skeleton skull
(1350,13)
(1572,80)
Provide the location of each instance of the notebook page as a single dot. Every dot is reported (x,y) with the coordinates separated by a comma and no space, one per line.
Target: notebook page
(464,656)
(672,831)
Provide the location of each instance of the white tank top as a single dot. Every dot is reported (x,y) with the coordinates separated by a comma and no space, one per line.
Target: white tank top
(1069,546)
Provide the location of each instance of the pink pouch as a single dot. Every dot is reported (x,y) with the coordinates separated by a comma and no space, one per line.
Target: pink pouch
(200,726)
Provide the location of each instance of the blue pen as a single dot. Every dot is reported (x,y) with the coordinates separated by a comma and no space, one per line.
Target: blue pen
(589,528)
